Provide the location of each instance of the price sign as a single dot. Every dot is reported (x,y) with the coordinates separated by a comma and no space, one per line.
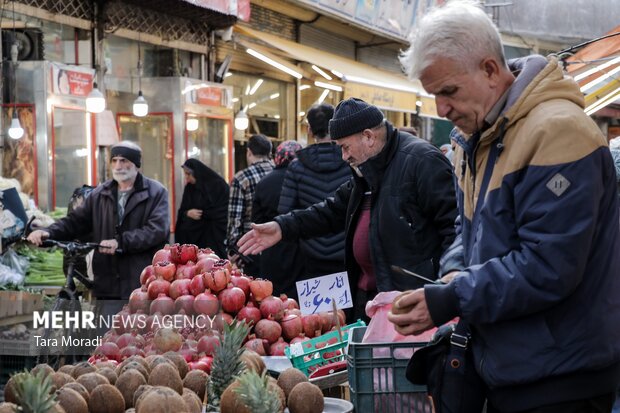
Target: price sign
(318,294)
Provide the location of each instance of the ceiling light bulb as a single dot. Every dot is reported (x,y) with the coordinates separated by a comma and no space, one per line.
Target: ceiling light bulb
(241,120)
(140,106)
(95,102)
(15,130)
(191,124)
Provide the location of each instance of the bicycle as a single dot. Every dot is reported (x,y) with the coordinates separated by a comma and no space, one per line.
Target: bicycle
(68,301)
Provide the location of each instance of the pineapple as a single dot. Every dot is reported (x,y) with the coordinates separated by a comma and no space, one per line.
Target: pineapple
(33,392)
(226,362)
(254,392)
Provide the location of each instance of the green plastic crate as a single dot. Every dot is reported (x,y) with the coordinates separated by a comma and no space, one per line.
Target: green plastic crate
(377,377)
(307,357)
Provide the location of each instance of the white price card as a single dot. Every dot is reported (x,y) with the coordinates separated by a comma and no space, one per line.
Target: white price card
(318,294)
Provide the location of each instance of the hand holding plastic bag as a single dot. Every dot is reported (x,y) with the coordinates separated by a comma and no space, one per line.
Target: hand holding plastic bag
(380,330)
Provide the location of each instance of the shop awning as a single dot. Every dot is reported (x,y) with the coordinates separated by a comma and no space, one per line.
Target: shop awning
(384,89)
(214,13)
(597,69)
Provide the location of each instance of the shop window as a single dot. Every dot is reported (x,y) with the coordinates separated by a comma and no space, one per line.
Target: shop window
(71,159)
(264,100)
(208,143)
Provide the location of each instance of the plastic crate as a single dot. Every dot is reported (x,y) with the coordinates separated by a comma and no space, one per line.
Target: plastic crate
(319,351)
(377,377)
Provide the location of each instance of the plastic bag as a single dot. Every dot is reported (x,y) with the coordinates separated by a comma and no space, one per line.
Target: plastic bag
(380,330)
(10,276)
(16,262)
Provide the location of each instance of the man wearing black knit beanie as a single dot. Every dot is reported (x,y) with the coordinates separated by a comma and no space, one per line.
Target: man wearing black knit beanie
(399,208)
(128,212)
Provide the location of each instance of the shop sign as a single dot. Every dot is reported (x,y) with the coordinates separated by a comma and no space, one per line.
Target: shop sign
(71,80)
(390,99)
(319,294)
(210,96)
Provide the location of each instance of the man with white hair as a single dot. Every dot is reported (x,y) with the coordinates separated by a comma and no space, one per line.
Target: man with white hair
(541,286)
(129,212)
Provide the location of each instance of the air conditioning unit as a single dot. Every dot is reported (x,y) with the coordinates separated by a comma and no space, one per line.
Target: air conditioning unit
(29,44)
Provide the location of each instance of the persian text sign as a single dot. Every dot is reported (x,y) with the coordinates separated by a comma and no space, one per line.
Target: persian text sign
(318,294)
(72,80)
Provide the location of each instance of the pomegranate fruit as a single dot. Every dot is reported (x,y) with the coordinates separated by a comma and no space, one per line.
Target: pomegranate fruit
(232,299)
(277,348)
(311,324)
(216,279)
(197,285)
(208,343)
(269,330)
(163,305)
(179,288)
(256,345)
(186,271)
(261,288)
(161,255)
(271,306)
(242,282)
(184,303)
(146,273)
(250,313)
(139,300)
(288,303)
(206,303)
(167,339)
(165,270)
(291,326)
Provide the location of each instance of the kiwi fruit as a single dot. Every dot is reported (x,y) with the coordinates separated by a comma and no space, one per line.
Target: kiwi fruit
(128,383)
(106,398)
(74,385)
(193,403)
(139,392)
(67,368)
(83,368)
(230,403)
(109,374)
(165,374)
(196,380)
(289,378)
(306,398)
(133,365)
(45,367)
(92,380)
(71,401)
(273,386)
(60,379)
(179,362)
(161,400)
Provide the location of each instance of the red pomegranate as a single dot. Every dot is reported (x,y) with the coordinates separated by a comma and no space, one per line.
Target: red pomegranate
(208,343)
(181,254)
(197,285)
(179,288)
(288,303)
(232,299)
(161,255)
(256,345)
(162,304)
(269,330)
(157,287)
(311,324)
(165,270)
(139,300)
(277,348)
(242,282)
(206,303)
(186,271)
(271,306)
(147,272)
(184,303)
(261,289)
(249,313)
(291,326)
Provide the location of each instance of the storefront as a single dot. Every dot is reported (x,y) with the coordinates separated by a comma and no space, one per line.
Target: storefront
(327,77)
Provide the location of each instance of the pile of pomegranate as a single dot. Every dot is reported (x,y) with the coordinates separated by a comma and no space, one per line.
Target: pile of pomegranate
(188,281)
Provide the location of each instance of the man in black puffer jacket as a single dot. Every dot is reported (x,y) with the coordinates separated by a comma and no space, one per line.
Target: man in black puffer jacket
(399,209)
(314,176)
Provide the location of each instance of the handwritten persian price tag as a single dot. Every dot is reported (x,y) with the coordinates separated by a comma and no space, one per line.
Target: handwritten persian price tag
(316,294)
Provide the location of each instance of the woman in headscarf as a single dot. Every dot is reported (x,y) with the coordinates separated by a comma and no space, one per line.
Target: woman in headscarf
(203,213)
(282,263)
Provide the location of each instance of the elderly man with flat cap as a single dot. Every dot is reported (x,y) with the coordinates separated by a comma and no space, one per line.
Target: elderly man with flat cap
(128,212)
(399,208)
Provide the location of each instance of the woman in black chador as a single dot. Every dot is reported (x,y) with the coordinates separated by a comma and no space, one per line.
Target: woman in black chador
(203,212)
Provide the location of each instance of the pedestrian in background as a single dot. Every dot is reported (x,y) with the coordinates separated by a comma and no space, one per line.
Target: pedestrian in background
(202,216)
(399,209)
(242,190)
(315,175)
(536,186)
(283,263)
(129,212)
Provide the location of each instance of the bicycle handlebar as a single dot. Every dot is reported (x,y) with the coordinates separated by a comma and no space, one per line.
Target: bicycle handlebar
(76,247)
